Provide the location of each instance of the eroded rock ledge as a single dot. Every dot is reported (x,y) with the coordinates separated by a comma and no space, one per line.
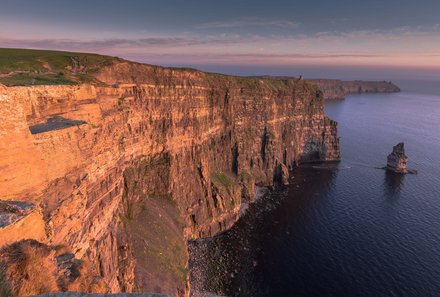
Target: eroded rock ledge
(148,159)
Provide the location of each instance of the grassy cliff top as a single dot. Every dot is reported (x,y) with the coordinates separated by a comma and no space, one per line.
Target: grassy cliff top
(37,67)
(27,67)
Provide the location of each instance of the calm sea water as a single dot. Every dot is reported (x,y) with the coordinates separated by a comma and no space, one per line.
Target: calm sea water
(348,229)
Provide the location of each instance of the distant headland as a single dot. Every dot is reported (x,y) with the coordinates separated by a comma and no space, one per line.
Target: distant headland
(339,89)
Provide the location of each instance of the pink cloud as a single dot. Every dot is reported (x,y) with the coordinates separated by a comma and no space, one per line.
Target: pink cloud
(397,47)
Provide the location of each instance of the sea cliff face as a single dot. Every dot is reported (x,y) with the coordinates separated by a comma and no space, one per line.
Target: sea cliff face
(338,89)
(75,294)
(117,176)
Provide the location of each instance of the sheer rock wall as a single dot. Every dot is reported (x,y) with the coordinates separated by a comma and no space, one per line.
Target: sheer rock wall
(161,156)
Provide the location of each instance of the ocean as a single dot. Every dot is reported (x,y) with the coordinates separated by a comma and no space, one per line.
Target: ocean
(348,229)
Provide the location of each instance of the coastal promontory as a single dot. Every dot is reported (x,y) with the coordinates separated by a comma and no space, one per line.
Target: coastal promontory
(108,166)
(339,89)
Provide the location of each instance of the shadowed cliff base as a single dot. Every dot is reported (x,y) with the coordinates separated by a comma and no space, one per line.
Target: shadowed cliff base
(236,262)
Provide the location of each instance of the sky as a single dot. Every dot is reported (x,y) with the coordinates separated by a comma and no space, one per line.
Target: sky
(320,38)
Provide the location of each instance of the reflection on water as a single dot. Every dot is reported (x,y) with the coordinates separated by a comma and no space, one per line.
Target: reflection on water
(393,182)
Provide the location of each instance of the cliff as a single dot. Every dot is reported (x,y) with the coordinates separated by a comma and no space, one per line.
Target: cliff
(116,175)
(74,294)
(338,89)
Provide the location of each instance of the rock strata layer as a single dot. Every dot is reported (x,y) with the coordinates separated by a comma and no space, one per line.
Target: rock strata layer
(120,174)
(75,294)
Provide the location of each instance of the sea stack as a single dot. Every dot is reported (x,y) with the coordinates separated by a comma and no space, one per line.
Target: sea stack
(397,160)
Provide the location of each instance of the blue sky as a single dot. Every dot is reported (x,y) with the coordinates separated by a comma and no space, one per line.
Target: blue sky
(244,37)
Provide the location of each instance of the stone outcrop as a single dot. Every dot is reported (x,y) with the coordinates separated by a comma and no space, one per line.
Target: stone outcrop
(19,220)
(338,89)
(397,160)
(120,174)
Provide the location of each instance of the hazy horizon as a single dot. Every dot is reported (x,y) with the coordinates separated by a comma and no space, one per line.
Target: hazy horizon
(342,39)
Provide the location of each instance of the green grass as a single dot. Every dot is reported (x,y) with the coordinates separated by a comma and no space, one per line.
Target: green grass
(161,247)
(42,67)
(222,181)
(26,79)
(33,60)
(156,161)
(246,176)
(274,82)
